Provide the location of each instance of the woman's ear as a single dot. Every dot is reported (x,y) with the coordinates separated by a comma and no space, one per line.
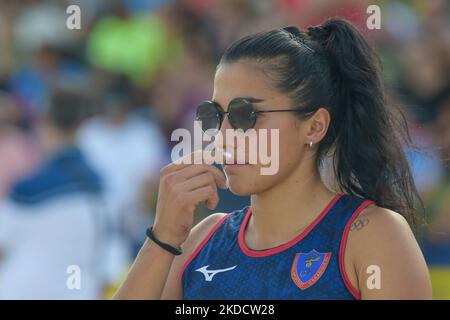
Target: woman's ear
(317,125)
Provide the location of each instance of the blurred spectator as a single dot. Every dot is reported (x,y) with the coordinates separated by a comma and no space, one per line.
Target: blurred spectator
(53,218)
(135,46)
(436,241)
(18,151)
(33,82)
(40,23)
(424,81)
(127,150)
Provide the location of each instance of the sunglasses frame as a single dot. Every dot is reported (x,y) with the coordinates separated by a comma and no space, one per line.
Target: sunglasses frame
(253,116)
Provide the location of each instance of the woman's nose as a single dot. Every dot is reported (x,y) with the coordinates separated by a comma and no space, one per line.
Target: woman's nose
(225,125)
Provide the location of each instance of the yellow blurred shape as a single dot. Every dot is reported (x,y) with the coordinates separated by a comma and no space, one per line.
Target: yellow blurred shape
(440,280)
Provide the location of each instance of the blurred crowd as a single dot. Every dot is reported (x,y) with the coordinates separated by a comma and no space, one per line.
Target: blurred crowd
(91,111)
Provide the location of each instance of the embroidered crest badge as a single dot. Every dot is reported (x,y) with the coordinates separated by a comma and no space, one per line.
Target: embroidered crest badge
(307,268)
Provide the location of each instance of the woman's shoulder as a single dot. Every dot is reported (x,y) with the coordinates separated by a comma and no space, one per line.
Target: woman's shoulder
(201,230)
(211,223)
(381,229)
(381,238)
(374,219)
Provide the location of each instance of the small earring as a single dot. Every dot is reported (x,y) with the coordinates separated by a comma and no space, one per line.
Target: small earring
(310,144)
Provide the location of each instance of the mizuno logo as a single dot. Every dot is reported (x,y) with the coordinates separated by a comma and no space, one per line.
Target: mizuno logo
(209,274)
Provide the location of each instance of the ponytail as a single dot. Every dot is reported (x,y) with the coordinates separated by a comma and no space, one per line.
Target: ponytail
(369,158)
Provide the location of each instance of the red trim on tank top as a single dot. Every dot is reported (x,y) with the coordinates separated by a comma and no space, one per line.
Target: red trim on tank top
(355,293)
(287,245)
(201,245)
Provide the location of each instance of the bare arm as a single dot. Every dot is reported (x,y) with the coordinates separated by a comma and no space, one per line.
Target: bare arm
(155,272)
(381,244)
(148,274)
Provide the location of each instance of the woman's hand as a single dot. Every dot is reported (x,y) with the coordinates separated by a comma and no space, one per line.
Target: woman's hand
(182,186)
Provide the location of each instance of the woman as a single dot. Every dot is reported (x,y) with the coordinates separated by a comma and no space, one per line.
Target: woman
(299,239)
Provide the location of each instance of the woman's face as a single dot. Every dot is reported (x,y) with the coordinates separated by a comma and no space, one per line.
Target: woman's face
(244,79)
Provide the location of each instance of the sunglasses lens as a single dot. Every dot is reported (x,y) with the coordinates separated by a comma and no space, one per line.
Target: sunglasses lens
(242,115)
(209,115)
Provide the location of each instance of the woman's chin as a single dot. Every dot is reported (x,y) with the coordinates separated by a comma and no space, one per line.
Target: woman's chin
(244,180)
(238,186)
(241,185)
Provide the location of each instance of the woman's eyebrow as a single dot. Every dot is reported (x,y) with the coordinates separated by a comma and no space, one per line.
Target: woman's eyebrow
(249,98)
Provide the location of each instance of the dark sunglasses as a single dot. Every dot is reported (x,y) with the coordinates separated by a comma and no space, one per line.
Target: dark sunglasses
(241,114)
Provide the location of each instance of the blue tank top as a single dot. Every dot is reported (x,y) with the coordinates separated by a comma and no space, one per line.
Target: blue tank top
(311,266)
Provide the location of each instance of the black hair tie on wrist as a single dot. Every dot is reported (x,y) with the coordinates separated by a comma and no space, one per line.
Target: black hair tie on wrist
(163,245)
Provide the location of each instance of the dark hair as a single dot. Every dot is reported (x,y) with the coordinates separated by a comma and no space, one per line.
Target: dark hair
(332,66)
(67,109)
